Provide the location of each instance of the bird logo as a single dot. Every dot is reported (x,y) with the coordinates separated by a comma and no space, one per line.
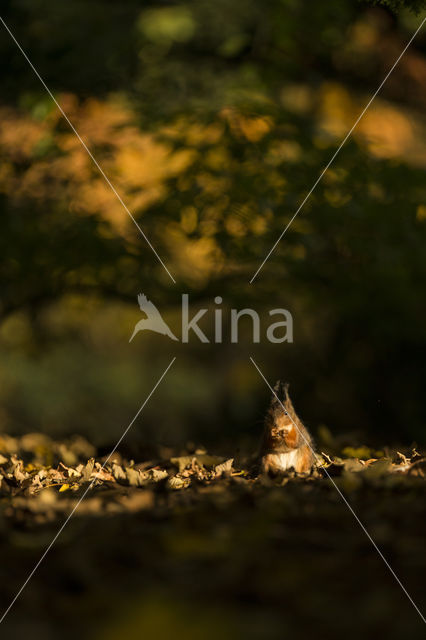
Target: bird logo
(153,321)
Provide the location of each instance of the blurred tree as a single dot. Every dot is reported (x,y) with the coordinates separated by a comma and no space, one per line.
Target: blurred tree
(213,121)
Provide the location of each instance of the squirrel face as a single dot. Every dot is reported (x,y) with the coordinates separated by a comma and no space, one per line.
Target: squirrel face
(283,433)
(283,426)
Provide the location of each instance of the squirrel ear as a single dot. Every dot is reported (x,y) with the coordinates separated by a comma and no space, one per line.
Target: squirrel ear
(281,391)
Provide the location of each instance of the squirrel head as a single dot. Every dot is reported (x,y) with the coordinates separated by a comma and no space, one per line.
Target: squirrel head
(282,413)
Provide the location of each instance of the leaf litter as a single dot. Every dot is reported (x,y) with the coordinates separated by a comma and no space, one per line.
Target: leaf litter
(41,478)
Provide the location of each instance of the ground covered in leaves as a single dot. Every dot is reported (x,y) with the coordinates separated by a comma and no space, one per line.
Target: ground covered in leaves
(194,545)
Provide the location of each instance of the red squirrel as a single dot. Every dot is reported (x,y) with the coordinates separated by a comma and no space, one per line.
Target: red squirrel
(286,442)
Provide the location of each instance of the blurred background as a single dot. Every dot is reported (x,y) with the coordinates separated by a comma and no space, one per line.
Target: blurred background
(212,120)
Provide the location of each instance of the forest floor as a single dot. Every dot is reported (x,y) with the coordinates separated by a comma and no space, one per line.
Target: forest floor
(196,546)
